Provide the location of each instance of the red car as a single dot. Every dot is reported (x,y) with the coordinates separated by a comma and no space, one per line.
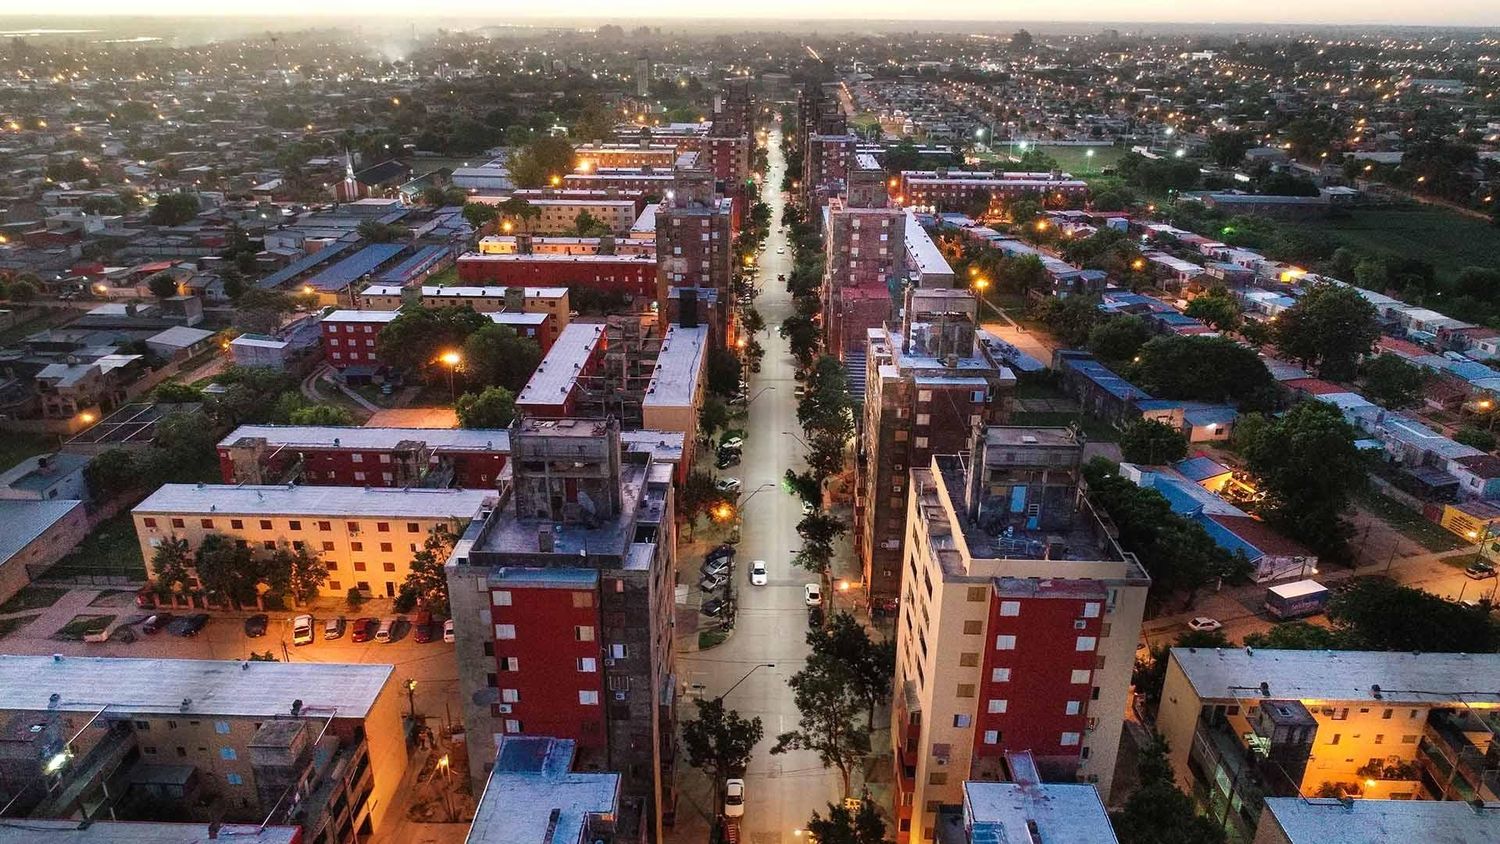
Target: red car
(364,629)
(422,627)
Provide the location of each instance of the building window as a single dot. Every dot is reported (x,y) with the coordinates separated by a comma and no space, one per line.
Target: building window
(265,524)
(588,697)
(1091,609)
(582,600)
(228,754)
(998,706)
(505,631)
(1073,707)
(1010,608)
(977,593)
(1005,643)
(385,548)
(1081,675)
(961,721)
(991,736)
(973,628)
(583,633)
(207,524)
(588,665)
(383,527)
(937,778)
(920,442)
(388,566)
(512,726)
(149,522)
(618,651)
(1085,643)
(356,546)
(1000,675)
(327,546)
(178,523)
(968,660)
(965,690)
(507,663)
(1070,739)
(294,524)
(510,696)
(500,598)
(221,727)
(234,779)
(413,527)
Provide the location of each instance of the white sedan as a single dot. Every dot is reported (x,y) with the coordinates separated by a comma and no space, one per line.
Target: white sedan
(1204,624)
(734,798)
(758,574)
(728,485)
(813,594)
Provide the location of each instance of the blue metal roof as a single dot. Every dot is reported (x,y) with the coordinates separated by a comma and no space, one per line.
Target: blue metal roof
(305,264)
(1107,380)
(1199,469)
(413,266)
(345,272)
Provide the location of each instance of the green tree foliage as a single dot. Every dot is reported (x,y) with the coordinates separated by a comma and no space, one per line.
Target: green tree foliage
(414,339)
(1391,382)
(698,495)
(250,395)
(162,286)
(183,450)
(1180,556)
(321,414)
(713,417)
(1149,674)
(1308,468)
(1152,443)
(1159,176)
(1159,812)
(479,213)
(819,531)
(378,232)
(492,407)
(804,485)
(227,571)
(1380,615)
(826,415)
(495,355)
(1299,636)
(537,163)
(175,392)
(1116,339)
(299,572)
(259,311)
(723,372)
(587,225)
(173,209)
(22,291)
(426,585)
(802,336)
(1216,308)
(1228,149)
(829,708)
(844,646)
(1331,327)
(1203,368)
(1475,438)
(171,566)
(111,473)
(1286,184)
(843,826)
(1111,250)
(719,742)
(1070,319)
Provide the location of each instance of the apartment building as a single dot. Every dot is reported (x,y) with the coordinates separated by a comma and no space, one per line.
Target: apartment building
(467,458)
(534,794)
(1019,617)
(1327,820)
(1025,809)
(143,832)
(644,180)
(512,244)
(633,275)
(929,385)
(313,745)
(552,301)
(955,190)
(563,598)
(678,381)
(864,258)
(366,536)
(643,153)
(559,214)
(352,338)
(694,245)
(1247,724)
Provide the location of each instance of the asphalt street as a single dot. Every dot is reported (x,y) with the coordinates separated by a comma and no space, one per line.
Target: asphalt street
(781,791)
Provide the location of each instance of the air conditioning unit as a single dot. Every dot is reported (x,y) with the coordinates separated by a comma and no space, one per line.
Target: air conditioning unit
(1080,624)
(609,662)
(619,695)
(504,709)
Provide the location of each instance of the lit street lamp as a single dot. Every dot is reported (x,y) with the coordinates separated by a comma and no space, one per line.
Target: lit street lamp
(453,359)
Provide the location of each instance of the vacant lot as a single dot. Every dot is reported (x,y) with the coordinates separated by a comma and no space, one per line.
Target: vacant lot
(1448,241)
(111,550)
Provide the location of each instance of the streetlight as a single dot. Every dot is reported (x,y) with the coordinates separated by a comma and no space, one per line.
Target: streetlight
(411,697)
(720,698)
(444,766)
(453,359)
(757,395)
(798,439)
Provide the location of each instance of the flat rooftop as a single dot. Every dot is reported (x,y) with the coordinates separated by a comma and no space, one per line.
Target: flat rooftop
(1011,435)
(679,367)
(375,439)
(461,292)
(533,797)
(1063,813)
(1402,678)
(554,258)
(553,380)
(334,501)
(1331,821)
(205,687)
(506,533)
(361,316)
(922,251)
(29,831)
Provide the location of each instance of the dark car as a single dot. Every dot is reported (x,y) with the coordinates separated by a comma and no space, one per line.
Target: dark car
(364,629)
(188,625)
(421,627)
(156,622)
(814,618)
(255,625)
(727,458)
(715,607)
(1481,570)
(718,553)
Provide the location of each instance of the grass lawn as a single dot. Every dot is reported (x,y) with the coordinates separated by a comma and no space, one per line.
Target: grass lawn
(1095,430)
(11,625)
(709,638)
(83,625)
(446,278)
(111,549)
(1410,523)
(1449,241)
(15,447)
(32,598)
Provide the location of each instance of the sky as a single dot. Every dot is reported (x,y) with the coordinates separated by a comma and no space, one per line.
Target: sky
(1122,12)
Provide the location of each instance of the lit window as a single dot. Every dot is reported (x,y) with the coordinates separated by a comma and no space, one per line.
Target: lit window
(1081,675)
(505,631)
(998,706)
(1000,675)
(1010,608)
(1073,707)
(1005,643)
(1070,739)
(1085,643)
(588,697)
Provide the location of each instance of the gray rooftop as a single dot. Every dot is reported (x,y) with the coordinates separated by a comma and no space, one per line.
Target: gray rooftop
(555,376)
(188,686)
(1402,678)
(1013,435)
(31,476)
(31,830)
(1331,821)
(26,520)
(336,501)
(374,439)
(928,258)
(1063,813)
(532,795)
(679,367)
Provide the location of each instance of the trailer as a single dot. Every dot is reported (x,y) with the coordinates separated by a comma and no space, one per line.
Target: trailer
(1296,600)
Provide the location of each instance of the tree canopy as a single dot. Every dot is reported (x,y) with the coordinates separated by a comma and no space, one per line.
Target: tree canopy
(1331,327)
(1392,382)
(492,407)
(1152,443)
(1204,368)
(1308,468)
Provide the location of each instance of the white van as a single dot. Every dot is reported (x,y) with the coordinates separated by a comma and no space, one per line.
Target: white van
(383,635)
(302,630)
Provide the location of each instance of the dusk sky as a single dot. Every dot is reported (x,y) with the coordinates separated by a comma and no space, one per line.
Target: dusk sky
(1435,12)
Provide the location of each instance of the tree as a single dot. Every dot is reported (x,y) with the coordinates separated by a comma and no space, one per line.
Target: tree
(426,585)
(162,286)
(1298,636)
(587,225)
(479,213)
(493,407)
(1228,149)
(174,209)
(545,158)
(111,473)
(719,742)
(1475,438)
(1022,40)
(818,530)
(378,232)
(845,827)
(1158,812)
(321,414)
(844,645)
(805,486)
(1070,319)
(1331,327)
(227,571)
(698,495)
(495,355)
(713,416)
(301,572)
(1204,368)
(1020,274)
(182,451)
(1378,615)
(1216,308)
(1117,339)
(175,392)
(22,291)
(802,336)
(1152,443)
(414,339)
(171,564)
(723,371)
(1308,467)
(1391,382)
(1150,673)
(828,707)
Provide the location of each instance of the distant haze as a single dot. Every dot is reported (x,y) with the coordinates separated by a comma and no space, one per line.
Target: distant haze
(766,14)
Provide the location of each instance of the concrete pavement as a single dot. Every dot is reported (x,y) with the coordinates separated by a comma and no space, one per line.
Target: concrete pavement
(781,791)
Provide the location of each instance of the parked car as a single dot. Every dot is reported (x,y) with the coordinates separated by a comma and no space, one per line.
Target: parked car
(255,625)
(734,798)
(1481,570)
(812,594)
(726,459)
(188,625)
(808,509)
(814,618)
(758,574)
(1204,624)
(717,566)
(364,629)
(710,582)
(448,630)
(727,485)
(302,629)
(155,623)
(735,441)
(714,607)
(333,628)
(422,627)
(718,552)
(385,631)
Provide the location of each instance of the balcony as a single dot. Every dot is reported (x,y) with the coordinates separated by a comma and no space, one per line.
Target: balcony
(1459,756)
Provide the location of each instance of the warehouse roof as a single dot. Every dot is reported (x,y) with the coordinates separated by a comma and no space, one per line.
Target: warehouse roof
(354,267)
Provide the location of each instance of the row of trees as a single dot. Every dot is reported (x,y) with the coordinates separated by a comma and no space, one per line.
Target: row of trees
(230,572)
